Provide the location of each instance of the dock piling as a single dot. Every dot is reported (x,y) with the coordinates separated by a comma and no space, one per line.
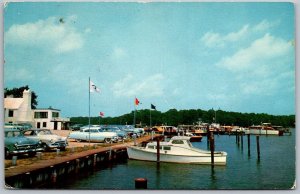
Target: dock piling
(39,155)
(248,138)
(157,151)
(95,160)
(14,160)
(242,141)
(212,148)
(134,139)
(140,183)
(258,148)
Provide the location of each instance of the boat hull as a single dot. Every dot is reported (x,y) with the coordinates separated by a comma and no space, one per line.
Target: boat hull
(138,153)
(263,132)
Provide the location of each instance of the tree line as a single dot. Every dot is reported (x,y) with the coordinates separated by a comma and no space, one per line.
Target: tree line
(176,117)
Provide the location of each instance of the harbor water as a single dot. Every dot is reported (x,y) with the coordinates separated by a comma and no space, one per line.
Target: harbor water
(276,169)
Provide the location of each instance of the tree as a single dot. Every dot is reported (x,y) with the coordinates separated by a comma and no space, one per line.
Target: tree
(18,93)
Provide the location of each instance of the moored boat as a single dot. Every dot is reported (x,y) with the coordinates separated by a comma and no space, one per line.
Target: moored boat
(264,129)
(177,150)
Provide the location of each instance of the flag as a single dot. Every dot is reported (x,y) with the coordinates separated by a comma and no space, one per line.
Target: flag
(153,107)
(101,114)
(136,102)
(93,87)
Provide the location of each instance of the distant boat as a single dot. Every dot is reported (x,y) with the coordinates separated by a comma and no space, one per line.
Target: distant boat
(264,129)
(193,137)
(178,150)
(166,130)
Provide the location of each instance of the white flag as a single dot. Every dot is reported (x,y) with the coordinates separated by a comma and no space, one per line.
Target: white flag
(93,87)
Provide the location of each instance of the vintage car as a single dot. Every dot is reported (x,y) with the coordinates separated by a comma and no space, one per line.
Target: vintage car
(16,143)
(122,135)
(131,130)
(76,127)
(49,140)
(93,134)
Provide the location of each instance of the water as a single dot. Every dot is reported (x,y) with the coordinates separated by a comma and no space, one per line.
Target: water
(274,170)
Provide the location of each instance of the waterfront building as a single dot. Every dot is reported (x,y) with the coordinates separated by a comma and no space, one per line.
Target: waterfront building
(18,110)
(49,118)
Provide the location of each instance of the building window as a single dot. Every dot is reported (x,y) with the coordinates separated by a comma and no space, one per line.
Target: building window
(41,115)
(10,113)
(55,114)
(44,124)
(38,125)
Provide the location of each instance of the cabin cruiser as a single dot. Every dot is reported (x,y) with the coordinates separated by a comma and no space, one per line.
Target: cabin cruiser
(178,150)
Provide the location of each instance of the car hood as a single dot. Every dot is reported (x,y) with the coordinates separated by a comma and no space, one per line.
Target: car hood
(21,140)
(53,137)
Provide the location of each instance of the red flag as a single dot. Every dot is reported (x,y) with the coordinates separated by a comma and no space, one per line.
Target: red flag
(136,102)
(101,114)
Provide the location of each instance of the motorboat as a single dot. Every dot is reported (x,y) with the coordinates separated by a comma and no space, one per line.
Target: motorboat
(264,129)
(177,150)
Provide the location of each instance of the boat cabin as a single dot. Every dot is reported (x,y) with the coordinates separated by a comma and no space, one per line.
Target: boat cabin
(178,141)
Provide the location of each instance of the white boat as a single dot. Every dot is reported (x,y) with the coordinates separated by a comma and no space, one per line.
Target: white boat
(178,150)
(264,129)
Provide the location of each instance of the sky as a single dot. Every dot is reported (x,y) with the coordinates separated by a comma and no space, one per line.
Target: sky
(231,56)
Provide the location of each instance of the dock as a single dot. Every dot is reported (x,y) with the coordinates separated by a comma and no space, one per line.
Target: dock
(45,171)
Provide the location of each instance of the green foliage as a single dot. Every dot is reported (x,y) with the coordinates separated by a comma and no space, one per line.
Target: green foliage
(174,117)
(18,93)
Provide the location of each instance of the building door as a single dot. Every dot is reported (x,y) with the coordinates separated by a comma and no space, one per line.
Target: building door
(38,125)
(55,125)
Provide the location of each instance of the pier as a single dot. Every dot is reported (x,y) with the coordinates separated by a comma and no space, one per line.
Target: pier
(45,171)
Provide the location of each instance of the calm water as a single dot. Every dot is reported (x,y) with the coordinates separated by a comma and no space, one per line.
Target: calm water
(275,170)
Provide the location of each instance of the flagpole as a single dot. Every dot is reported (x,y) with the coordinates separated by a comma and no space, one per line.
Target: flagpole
(89,110)
(150,119)
(134,112)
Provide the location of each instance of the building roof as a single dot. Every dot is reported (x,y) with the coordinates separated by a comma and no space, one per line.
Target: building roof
(50,108)
(13,103)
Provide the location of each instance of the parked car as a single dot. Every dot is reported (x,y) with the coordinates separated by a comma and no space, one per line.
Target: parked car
(49,140)
(122,135)
(14,126)
(130,130)
(93,134)
(16,143)
(25,126)
(75,127)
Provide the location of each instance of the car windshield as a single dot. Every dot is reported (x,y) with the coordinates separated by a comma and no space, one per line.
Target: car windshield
(13,134)
(109,129)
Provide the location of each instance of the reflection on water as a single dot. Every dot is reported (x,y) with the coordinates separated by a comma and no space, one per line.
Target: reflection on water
(274,170)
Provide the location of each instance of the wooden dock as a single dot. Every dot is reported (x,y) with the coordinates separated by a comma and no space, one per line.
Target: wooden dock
(41,171)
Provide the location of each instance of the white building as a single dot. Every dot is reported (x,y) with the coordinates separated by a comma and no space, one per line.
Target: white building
(18,110)
(49,118)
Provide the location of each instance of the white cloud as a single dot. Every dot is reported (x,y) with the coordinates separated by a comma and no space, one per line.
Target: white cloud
(265,25)
(130,86)
(217,40)
(261,68)
(259,54)
(211,39)
(19,74)
(118,53)
(58,36)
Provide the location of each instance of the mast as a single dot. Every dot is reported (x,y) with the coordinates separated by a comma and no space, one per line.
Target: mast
(89,110)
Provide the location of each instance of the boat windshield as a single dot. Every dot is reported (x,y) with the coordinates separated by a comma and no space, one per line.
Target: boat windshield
(189,143)
(177,141)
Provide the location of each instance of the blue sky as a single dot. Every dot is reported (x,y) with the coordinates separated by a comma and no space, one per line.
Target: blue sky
(233,56)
